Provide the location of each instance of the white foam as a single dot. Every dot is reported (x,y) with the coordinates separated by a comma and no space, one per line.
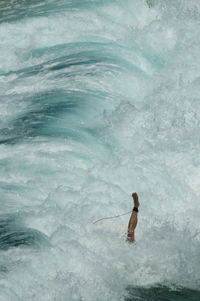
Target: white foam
(143,136)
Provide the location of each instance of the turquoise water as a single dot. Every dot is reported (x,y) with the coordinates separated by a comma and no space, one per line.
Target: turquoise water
(99,99)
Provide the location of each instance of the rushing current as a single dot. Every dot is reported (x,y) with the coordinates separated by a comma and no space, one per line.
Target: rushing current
(99,98)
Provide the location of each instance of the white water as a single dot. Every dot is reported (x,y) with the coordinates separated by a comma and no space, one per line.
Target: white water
(99,100)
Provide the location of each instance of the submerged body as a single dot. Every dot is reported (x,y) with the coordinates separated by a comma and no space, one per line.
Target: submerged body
(133,219)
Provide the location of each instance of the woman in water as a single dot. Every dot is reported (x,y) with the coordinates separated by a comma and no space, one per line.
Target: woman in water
(133,219)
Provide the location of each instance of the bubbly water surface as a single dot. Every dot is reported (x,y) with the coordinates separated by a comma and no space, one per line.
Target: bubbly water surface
(99,99)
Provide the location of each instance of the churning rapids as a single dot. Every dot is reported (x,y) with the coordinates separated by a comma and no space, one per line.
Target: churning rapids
(99,98)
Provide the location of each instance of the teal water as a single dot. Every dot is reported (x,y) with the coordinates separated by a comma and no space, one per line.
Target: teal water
(99,99)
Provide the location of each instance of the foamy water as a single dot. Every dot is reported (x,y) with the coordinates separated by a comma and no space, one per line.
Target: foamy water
(98,99)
